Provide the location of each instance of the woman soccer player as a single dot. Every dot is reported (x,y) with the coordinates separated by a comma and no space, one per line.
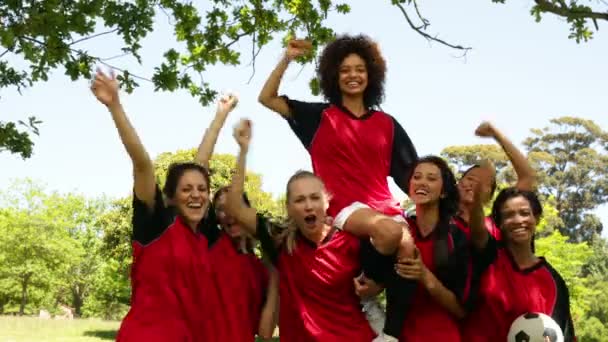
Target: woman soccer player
(248,289)
(173,295)
(526,176)
(353,146)
(442,267)
(515,281)
(316,262)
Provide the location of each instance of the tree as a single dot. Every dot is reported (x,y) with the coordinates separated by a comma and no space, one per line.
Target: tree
(35,248)
(45,35)
(222,166)
(462,157)
(49,34)
(572,163)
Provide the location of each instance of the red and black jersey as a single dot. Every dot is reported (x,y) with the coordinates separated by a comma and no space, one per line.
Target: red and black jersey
(354,155)
(419,317)
(507,291)
(242,281)
(317,295)
(427,320)
(172,296)
(490,226)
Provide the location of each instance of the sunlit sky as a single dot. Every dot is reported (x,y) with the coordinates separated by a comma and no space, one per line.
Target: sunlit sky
(519,75)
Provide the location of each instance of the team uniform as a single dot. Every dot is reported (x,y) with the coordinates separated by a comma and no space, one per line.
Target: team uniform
(172,291)
(426,319)
(242,281)
(506,292)
(354,155)
(317,298)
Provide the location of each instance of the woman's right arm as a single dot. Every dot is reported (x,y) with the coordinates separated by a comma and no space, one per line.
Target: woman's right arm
(105,90)
(269,96)
(235,206)
(248,217)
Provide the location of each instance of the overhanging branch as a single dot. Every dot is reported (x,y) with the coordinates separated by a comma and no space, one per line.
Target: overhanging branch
(547,6)
(420,30)
(93,36)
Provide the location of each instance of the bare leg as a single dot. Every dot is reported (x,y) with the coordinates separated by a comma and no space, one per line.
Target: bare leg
(387,235)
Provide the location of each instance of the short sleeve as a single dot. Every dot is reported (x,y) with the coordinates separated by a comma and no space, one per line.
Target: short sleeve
(149,224)
(264,230)
(403,156)
(304,119)
(561,312)
(482,259)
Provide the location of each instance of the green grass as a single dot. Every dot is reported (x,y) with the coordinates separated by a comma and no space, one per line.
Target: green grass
(32,329)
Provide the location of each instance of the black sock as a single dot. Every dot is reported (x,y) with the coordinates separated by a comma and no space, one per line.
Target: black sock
(399,295)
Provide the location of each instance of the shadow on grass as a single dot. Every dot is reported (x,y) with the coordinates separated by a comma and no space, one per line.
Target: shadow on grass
(103,334)
(111,335)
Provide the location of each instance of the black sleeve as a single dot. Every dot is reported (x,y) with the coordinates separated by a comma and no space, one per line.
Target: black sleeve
(149,224)
(460,276)
(263,233)
(209,226)
(486,257)
(403,156)
(304,119)
(561,312)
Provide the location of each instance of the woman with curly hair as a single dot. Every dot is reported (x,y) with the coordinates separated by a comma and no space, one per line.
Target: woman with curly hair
(353,146)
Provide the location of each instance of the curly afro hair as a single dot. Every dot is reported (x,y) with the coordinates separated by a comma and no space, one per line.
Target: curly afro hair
(333,55)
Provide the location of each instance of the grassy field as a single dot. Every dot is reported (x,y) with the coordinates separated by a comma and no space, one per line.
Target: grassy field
(32,329)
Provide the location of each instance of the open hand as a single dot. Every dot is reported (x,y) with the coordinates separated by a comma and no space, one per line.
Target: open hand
(105,88)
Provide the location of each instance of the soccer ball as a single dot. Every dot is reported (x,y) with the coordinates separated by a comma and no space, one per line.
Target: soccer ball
(535,327)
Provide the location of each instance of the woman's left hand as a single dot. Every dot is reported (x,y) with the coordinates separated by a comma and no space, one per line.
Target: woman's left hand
(412,268)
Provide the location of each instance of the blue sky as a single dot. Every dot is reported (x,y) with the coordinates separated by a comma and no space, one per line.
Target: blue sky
(519,75)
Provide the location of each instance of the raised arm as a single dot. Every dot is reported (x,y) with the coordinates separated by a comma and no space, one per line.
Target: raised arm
(269,96)
(479,232)
(235,206)
(270,311)
(526,176)
(224,106)
(105,90)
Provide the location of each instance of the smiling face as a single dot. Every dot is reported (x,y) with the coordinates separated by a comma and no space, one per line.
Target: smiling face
(466,185)
(426,184)
(352,76)
(307,203)
(191,197)
(227,222)
(518,220)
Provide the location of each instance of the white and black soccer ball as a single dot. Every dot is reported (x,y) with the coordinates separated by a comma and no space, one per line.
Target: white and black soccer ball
(535,327)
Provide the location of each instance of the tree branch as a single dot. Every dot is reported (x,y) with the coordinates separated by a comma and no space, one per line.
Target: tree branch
(4,53)
(420,31)
(100,60)
(547,6)
(93,36)
(425,22)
